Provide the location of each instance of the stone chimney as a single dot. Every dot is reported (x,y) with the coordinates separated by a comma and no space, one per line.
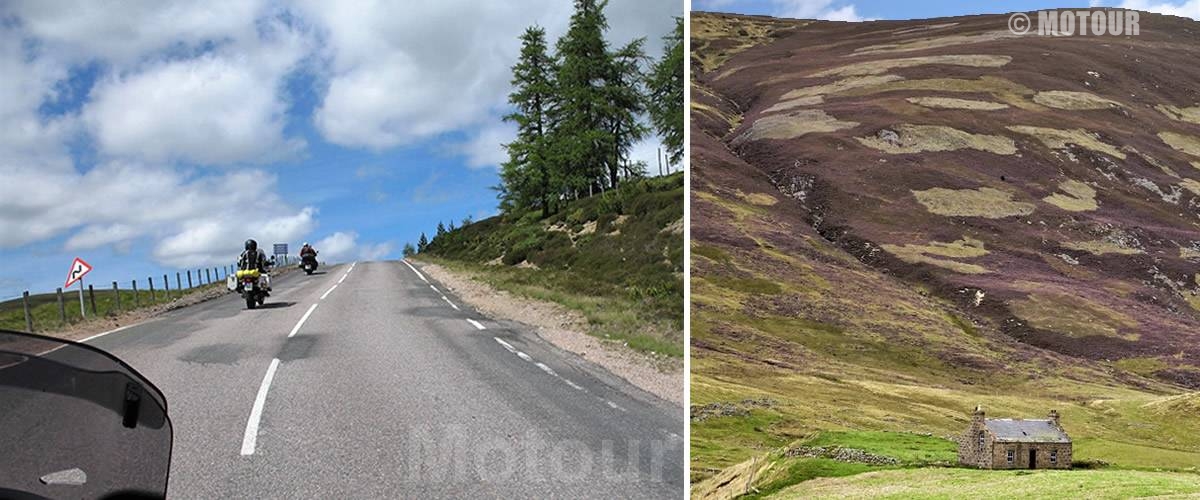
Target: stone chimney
(977,417)
(1054,418)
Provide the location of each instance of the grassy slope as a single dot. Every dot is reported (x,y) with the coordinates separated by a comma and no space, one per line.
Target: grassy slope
(617,258)
(46,314)
(967,483)
(852,357)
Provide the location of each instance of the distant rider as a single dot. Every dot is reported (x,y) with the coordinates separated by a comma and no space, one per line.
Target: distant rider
(307,251)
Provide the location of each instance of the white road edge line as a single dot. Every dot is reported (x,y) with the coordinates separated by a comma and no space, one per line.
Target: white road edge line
(250,438)
(546,369)
(573,385)
(327,292)
(451,303)
(506,345)
(342,279)
(613,405)
(302,320)
(524,356)
(435,289)
(476,323)
(114,330)
(419,275)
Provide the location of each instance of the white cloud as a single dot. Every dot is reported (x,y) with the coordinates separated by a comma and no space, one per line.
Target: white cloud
(126,32)
(486,148)
(344,246)
(219,108)
(816,9)
(194,220)
(403,72)
(1189,8)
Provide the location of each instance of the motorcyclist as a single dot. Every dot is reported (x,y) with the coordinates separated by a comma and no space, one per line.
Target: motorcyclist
(255,259)
(307,251)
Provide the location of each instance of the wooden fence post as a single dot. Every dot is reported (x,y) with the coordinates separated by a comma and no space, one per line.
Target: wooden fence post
(189,279)
(153,297)
(117,296)
(178,284)
(62,307)
(166,288)
(92,298)
(137,300)
(28,315)
(208,276)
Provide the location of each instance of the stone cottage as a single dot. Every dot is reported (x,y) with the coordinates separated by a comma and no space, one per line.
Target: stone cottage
(1014,443)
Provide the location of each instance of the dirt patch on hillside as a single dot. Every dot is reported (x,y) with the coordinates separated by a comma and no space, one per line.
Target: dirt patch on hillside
(1101,247)
(935,42)
(565,329)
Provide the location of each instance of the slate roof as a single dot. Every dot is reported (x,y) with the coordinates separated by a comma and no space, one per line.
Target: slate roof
(1025,431)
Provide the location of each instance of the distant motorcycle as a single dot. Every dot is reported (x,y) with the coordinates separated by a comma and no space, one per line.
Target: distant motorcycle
(253,285)
(309,263)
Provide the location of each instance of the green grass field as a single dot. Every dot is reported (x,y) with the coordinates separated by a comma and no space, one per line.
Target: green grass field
(617,258)
(947,483)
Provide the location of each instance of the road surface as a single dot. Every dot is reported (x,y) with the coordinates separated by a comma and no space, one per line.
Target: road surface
(371,380)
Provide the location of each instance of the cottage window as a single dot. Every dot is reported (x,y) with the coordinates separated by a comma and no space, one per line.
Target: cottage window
(1053,456)
(980,440)
(1011,456)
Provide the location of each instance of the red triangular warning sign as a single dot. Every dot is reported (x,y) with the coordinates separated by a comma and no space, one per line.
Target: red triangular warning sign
(78,269)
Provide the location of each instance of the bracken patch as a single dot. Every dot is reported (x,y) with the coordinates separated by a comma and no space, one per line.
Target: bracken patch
(920,138)
(1079,197)
(1073,316)
(839,86)
(1100,247)
(967,247)
(1054,138)
(885,65)
(955,103)
(792,125)
(1073,101)
(1182,142)
(935,42)
(984,202)
(1190,115)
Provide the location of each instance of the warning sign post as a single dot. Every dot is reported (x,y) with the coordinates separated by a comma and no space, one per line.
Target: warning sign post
(78,269)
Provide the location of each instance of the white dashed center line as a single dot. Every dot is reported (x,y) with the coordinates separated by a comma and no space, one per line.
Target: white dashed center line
(250,438)
(327,292)
(477,324)
(303,319)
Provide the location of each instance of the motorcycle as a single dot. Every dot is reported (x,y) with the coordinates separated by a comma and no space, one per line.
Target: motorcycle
(78,423)
(253,285)
(309,263)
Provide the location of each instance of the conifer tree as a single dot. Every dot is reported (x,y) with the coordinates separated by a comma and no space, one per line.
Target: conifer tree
(422,243)
(665,85)
(527,176)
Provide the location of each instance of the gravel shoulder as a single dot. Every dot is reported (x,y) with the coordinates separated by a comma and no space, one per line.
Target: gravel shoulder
(566,330)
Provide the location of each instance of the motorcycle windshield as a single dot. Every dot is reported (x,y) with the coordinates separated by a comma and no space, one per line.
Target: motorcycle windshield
(76,422)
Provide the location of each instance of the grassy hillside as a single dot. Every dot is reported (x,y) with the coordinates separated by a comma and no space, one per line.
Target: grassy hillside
(895,222)
(46,317)
(616,257)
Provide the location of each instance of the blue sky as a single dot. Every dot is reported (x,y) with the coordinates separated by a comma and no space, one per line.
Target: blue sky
(853,10)
(158,136)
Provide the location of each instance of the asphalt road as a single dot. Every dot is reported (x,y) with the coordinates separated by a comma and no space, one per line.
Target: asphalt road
(388,386)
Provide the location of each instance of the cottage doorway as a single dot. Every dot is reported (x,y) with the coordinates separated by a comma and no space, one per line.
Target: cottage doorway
(1032,459)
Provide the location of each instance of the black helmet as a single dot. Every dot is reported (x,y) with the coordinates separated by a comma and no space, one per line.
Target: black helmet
(251,245)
